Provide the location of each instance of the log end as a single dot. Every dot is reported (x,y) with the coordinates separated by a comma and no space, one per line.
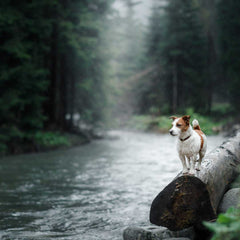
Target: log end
(183,203)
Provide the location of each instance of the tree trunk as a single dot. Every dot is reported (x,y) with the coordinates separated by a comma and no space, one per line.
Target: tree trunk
(53,88)
(62,97)
(175,88)
(188,200)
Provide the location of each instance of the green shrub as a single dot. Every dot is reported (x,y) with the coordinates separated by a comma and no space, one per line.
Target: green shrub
(140,122)
(164,123)
(227,226)
(221,109)
(3,149)
(207,124)
(50,139)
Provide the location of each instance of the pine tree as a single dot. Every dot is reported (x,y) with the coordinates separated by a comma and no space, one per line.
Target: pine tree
(23,77)
(229,24)
(183,53)
(151,88)
(51,66)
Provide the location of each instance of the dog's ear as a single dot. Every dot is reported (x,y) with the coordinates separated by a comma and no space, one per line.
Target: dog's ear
(173,118)
(186,119)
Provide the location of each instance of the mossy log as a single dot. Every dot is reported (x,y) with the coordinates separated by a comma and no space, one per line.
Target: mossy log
(188,200)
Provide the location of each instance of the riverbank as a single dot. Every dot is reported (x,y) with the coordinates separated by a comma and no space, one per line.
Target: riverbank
(44,141)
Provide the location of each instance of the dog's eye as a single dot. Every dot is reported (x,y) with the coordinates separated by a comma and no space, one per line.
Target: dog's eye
(179,125)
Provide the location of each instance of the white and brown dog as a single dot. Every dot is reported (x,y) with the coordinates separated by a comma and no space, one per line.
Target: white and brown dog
(192,142)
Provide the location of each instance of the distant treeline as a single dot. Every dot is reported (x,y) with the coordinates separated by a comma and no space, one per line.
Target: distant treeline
(62,58)
(51,66)
(195,46)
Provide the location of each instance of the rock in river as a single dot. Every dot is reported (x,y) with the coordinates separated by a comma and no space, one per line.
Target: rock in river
(156,233)
(230,199)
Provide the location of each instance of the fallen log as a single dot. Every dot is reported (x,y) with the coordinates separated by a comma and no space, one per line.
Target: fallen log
(188,200)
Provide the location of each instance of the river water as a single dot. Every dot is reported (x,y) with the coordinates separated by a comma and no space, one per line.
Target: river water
(91,192)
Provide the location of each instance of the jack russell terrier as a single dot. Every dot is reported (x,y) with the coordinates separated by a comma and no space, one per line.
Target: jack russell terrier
(192,142)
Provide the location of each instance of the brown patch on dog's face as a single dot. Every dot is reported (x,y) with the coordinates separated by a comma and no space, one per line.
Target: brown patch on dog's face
(183,123)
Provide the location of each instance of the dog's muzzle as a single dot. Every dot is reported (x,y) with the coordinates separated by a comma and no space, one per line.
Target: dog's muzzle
(172,133)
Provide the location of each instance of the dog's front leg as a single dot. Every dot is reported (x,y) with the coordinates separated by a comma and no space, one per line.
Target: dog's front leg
(198,168)
(192,165)
(189,163)
(185,170)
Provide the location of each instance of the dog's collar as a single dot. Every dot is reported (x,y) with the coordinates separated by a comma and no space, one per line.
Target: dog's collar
(185,138)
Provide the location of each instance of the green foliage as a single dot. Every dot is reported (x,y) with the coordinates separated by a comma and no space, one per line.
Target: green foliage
(50,139)
(162,124)
(222,110)
(23,78)
(3,149)
(208,124)
(227,225)
(140,122)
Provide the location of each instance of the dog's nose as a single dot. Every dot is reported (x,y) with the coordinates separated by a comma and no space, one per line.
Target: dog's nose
(171,132)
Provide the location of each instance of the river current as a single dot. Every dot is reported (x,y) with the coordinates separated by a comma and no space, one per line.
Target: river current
(91,192)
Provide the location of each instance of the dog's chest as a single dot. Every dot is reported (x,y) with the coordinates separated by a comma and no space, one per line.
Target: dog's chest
(189,147)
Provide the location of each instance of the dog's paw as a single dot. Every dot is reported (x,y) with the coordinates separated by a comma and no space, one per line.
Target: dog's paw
(192,172)
(198,167)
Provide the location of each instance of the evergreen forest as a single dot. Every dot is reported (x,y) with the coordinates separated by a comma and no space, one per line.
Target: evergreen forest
(66,63)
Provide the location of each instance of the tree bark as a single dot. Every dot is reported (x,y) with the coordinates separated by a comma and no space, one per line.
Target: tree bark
(50,109)
(62,97)
(175,87)
(189,200)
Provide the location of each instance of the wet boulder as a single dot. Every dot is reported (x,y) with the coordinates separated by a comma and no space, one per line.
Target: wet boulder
(230,199)
(156,233)
(180,238)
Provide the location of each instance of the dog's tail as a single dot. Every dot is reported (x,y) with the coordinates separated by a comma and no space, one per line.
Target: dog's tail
(196,125)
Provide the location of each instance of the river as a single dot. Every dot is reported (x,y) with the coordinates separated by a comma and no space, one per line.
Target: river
(91,192)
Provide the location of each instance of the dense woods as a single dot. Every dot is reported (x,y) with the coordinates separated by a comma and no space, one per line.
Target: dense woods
(193,44)
(65,57)
(51,66)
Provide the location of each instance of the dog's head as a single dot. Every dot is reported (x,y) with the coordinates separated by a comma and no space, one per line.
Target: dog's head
(179,125)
